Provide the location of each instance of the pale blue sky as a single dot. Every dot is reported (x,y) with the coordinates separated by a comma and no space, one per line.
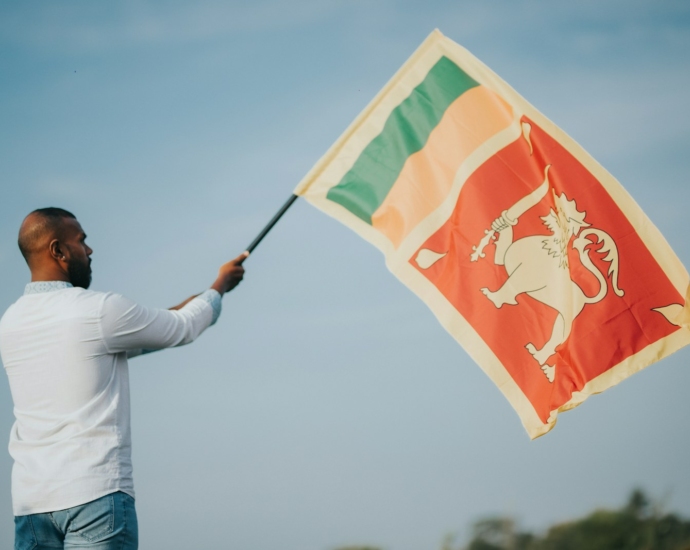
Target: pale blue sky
(327,406)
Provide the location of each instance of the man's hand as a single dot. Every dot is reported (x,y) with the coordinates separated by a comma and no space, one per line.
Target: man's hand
(230,274)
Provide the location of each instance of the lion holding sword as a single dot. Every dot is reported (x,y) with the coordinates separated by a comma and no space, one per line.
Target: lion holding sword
(537,265)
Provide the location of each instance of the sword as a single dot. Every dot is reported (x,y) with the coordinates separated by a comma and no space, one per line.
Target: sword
(513,213)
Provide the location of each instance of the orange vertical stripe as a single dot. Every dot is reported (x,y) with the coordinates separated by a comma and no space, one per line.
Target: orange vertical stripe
(427,176)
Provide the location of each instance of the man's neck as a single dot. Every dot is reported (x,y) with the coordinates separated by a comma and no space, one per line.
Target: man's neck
(38,276)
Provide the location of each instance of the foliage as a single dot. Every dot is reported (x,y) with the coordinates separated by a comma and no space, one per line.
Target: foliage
(635,526)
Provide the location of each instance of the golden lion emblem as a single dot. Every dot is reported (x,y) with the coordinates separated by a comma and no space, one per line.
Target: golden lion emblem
(538,265)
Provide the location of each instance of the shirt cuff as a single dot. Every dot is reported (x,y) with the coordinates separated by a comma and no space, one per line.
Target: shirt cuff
(212,298)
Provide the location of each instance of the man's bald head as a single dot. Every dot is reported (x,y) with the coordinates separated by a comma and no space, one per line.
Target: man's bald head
(39,228)
(54,245)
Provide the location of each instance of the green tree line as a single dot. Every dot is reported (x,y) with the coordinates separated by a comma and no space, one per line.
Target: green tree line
(638,525)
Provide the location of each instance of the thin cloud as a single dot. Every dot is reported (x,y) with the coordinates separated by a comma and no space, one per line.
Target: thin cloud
(72,26)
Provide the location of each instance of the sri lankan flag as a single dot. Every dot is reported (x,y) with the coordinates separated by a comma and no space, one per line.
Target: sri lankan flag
(531,255)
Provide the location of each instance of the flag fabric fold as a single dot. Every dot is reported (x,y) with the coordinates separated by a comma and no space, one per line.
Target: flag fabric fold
(530,254)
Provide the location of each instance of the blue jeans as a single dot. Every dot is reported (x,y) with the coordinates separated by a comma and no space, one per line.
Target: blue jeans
(108,523)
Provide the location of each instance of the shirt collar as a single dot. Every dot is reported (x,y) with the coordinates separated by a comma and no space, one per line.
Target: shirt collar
(46,286)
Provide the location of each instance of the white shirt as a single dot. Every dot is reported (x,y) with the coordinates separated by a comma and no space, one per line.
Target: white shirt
(65,352)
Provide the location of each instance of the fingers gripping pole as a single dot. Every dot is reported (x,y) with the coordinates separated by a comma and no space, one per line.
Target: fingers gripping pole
(270,224)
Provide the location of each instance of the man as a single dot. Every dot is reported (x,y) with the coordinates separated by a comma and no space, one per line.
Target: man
(65,351)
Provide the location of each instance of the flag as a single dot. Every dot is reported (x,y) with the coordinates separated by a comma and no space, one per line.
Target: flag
(530,254)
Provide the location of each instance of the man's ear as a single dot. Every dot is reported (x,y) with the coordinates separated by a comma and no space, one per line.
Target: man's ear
(56,250)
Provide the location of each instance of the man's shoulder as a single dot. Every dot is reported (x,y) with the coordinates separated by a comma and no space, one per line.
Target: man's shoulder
(91,299)
(73,294)
(63,300)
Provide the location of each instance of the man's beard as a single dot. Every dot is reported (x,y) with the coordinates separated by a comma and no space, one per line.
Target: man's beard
(79,274)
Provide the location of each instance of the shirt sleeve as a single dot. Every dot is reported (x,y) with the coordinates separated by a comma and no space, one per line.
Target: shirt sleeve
(129,327)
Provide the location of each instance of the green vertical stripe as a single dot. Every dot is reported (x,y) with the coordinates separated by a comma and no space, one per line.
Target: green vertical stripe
(365,186)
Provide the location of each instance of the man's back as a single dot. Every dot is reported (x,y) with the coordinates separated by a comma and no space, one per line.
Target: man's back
(71,438)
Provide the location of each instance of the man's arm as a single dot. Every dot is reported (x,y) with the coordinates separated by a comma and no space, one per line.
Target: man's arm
(229,276)
(127,326)
(181,305)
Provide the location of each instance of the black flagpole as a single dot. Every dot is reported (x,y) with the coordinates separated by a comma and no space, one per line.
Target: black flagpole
(270,224)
